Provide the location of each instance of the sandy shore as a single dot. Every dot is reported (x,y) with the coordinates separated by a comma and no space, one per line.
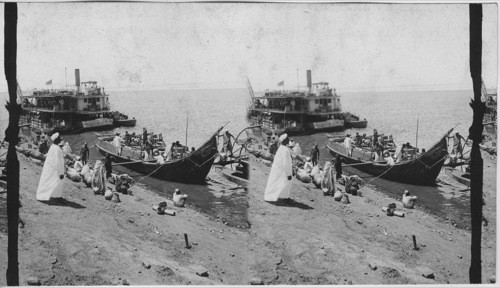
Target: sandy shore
(87,240)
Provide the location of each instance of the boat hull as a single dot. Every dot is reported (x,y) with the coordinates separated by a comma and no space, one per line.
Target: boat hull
(356,124)
(124,123)
(422,170)
(191,170)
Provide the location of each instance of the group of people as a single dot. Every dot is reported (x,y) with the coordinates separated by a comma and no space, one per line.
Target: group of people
(382,149)
(280,176)
(152,146)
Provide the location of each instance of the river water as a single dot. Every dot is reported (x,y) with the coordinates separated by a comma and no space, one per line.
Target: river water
(204,111)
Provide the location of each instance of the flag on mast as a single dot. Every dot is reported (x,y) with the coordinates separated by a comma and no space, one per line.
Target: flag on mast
(281,83)
(49,82)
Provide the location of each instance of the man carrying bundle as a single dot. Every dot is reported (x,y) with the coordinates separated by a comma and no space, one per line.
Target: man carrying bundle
(51,181)
(279,181)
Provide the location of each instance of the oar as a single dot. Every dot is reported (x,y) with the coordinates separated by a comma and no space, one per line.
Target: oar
(131,162)
(357,164)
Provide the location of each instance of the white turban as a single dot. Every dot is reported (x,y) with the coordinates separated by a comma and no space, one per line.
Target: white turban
(54,136)
(283,137)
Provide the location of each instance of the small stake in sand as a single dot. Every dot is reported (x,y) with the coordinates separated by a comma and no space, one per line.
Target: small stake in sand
(414,242)
(186,239)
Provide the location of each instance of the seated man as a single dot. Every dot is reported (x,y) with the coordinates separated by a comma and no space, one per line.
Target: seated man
(179,198)
(388,158)
(159,159)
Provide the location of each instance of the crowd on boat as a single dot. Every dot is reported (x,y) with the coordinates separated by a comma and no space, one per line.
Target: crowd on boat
(151,146)
(382,148)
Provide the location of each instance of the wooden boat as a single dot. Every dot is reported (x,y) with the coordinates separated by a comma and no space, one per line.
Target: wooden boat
(422,170)
(192,169)
(460,176)
(353,121)
(124,122)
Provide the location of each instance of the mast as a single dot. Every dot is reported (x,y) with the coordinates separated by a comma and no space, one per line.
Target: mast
(187,123)
(416,137)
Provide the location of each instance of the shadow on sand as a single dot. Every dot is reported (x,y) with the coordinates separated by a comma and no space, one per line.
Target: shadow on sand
(62,202)
(291,203)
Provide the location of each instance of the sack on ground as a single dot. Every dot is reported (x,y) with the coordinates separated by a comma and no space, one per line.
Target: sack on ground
(108,195)
(303,176)
(315,171)
(73,175)
(337,196)
(317,180)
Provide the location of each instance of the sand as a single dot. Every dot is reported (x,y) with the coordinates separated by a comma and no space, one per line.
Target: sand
(86,240)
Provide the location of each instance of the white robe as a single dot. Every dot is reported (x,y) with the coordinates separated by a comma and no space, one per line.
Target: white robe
(278,185)
(347,143)
(117,142)
(50,185)
(389,160)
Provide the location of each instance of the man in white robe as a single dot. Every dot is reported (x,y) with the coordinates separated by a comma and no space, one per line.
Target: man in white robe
(117,142)
(51,180)
(348,144)
(280,177)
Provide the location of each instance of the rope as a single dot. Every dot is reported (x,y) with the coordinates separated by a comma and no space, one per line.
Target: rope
(382,174)
(198,166)
(147,175)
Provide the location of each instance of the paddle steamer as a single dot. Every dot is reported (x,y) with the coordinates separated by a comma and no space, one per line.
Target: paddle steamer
(68,110)
(299,112)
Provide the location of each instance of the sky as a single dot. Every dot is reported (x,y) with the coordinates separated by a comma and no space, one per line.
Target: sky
(355,47)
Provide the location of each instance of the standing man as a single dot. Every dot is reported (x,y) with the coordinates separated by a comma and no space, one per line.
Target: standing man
(227,145)
(117,142)
(338,166)
(348,145)
(108,165)
(315,154)
(375,138)
(457,144)
(51,184)
(127,138)
(144,137)
(279,181)
(84,153)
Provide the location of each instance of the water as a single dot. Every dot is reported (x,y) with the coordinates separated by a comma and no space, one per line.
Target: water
(396,113)
(393,113)
(169,112)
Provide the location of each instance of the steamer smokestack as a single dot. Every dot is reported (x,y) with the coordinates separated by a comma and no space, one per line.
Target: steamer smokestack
(77,79)
(309,81)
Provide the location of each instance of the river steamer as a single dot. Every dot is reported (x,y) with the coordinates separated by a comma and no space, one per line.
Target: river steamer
(300,112)
(68,110)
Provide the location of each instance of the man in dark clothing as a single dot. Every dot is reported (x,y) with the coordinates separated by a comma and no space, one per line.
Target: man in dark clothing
(315,154)
(108,166)
(357,139)
(84,153)
(338,167)
(127,138)
(375,138)
(144,137)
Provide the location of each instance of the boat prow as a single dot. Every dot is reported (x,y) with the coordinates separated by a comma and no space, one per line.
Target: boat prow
(421,170)
(192,169)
